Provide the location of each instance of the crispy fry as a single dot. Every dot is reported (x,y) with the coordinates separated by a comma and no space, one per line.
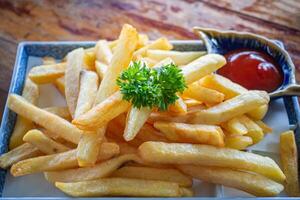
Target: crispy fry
(289,162)
(179,58)
(31,94)
(59,161)
(62,112)
(150,173)
(202,66)
(89,60)
(192,102)
(136,118)
(258,113)
(120,187)
(192,133)
(235,127)
(202,94)
(254,131)
(231,108)
(175,153)
(161,43)
(178,107)
(50,121)
(264,127)
(60,85)
(19,153)
(100,69)
(102,113)
(103,52)
(239,142)
(142,41)
(72,78)
(252,183)
(47,73)
(44,143)
(100,170)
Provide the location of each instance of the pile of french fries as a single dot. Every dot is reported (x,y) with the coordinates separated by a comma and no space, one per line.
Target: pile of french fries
(100,145)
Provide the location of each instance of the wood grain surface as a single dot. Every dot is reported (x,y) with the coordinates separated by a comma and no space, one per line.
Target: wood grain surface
(46,20)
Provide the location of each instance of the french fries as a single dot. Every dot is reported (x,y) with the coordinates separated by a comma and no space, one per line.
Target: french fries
(100,69)
(50,121)
(44,143)
(103,52)
(264,127)
(175,153)
(252,183)
(47,73)
(97,171)
(254,131)
(72,78)
(89,60)
(120,187)
(178,107)
(179,58)
(289,162)
(19,153)
(192,133)
(59,161)
(235,127)
(62,112)
(231,108)
(150,173)
(31,94)
(239,142)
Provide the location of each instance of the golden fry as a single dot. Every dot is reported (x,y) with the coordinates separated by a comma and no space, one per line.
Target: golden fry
(50,121)
(120,187)
(254,131)
(150,173)
(62,112)
(289,162)
(178,107)
(47,73)
(192,133)
(196,154)
(103,52)
(100,69)
(97,171)
(59,161)
(264,127)
(31,94)
(252,183)
(239,142)
(235,127)
(89,60)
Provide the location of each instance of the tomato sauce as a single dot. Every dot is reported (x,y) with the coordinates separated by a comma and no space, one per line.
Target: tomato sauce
(252,69)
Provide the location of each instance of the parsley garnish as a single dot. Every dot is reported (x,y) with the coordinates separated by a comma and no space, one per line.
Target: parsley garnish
(145,87)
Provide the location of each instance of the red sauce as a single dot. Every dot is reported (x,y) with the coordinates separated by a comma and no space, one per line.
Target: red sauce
(252,69)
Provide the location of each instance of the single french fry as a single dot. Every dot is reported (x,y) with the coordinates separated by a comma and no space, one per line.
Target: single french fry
(150,173)
(60,85)
(44,143)
(289,162)
(142,41)
(103,52)
(31,94)
(136,118)
(202,94)
(231,108)
(197,154)
(72,78)
(252,183)
(192,133)
(127,40)
(239,142)
(230,90)
(264,127)
(254,131)
(186,192)
(235,127)
(161,43)
(192,102)
(19,153)
(87,92)
(47,73)
(50,121)
(100,69)
(59,161)
(97,171)
(120,187)
(179,58)
(163,62)
(89,60)
(102,113)
(62,112)
(178,107)
(202,66)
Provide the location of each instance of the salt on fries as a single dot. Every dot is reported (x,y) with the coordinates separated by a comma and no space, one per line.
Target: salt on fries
(103,144)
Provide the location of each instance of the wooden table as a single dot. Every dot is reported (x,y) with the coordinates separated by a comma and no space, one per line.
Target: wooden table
(94,19)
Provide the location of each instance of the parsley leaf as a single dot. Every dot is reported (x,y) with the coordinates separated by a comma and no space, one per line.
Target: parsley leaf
(145,87)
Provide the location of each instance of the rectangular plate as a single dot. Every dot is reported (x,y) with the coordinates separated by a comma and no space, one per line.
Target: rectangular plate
(282,115)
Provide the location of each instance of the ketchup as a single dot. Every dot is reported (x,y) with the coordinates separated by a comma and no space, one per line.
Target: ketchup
(252,69)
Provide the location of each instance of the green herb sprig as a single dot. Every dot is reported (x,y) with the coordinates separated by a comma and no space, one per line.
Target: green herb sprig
(145,87)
